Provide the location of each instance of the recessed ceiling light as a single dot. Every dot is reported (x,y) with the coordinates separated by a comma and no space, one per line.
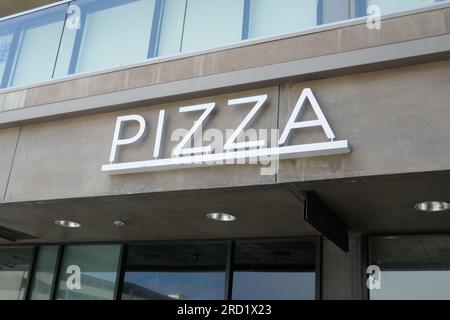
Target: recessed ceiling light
(432,206)
(67,224)
(119,223)
(219,216)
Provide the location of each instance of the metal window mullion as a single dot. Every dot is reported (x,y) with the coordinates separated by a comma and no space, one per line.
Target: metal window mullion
(60,41)
(56,272)
(365,262)
(229,269)
(319,268)
(320,11)
(77,43)
(120,275)
(31,268)
(12,52)
(184,24)
(246,20)
(360,8)
(156,28)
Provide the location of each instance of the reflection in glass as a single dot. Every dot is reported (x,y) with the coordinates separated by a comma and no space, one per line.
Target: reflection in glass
(389,6)
(274,270)
(112,33)
(171,27)
(412,267)
(14,266)
(5,46)
(157,272)
(42,279)
(174,285)
(274,285)
(98,265)
(268,17)
(29,46)
(413,285)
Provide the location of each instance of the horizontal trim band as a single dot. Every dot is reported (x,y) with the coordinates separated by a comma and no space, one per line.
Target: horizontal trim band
(287,152)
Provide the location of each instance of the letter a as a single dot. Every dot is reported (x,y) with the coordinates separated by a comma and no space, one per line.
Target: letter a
(320,122)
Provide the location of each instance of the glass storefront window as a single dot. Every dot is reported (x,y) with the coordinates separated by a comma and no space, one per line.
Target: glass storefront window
(275,270)
(14,268)
(268,17)
(412,267)
(29,46)
(42,278)
(183,272)
(97,266)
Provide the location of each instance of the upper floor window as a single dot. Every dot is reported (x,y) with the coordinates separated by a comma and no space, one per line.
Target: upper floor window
(88,35)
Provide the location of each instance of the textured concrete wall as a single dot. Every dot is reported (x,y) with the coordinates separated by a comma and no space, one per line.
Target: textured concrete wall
(342,271)
(395,120)
(8,142)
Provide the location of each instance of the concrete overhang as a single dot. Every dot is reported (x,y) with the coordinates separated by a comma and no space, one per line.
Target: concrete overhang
(382,204)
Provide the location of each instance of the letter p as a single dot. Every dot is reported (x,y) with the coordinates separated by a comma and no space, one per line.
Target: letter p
(117,132)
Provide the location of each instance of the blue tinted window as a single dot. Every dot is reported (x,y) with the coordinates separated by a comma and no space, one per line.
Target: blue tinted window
(275,270)
(192,272)
(29,46)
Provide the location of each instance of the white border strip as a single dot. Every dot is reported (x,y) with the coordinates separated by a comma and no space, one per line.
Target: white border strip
(288,152)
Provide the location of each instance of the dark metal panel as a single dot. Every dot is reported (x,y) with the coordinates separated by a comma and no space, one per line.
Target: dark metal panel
(364,264)
(326,221)
(319,267)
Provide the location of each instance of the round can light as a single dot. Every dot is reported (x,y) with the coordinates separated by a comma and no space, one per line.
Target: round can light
(67,224)
(432,206)
(219,216)
(119,223)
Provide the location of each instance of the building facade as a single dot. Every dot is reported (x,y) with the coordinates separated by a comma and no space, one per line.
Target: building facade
(212,149)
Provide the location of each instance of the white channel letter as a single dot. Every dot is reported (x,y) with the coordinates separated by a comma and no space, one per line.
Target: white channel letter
(159,130)
(178,150)
(320,122)
(117,131)
(231,144)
